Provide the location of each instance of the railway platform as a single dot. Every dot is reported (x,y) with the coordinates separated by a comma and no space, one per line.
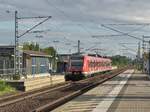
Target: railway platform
(36,82)
(127,92)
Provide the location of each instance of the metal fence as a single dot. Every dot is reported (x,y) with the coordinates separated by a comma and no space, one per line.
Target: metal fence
(24,73)
(9,74)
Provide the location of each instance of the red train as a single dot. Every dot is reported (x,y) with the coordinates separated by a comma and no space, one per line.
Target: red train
(85,66)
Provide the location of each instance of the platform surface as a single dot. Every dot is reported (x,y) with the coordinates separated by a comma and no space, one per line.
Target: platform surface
(128,92)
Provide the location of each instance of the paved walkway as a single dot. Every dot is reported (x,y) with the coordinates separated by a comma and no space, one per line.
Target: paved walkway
(125,93)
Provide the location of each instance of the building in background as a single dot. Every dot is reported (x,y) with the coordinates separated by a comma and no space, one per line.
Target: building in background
(36,63)
(33,63)
(7,59)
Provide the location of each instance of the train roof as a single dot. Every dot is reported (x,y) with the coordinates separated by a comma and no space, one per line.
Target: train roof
(92,57)
(98,58)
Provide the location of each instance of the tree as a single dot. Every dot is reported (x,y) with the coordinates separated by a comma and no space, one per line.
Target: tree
(120,61)
(36,47)
(31,46)
(50,50)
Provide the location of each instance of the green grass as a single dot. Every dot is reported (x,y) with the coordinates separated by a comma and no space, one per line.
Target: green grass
(5,88)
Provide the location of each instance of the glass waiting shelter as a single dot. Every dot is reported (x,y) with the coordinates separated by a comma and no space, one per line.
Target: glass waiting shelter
(36,63)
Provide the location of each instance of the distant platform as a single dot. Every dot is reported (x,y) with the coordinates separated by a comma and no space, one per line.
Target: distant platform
(128,92)
(36,82)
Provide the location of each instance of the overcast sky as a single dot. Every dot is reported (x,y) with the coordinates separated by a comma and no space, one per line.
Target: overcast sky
(74,20)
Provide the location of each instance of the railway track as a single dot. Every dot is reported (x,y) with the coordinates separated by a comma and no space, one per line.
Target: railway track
(28,93)
(46,100)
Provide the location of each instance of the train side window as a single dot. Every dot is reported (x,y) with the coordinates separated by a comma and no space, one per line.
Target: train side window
(90,64)
(108,64)
(93,64)
(102,64)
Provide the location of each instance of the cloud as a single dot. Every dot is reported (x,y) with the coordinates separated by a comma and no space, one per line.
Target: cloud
(80,18)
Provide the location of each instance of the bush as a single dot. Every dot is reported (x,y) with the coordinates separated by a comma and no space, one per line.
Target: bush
(16,77)
(5,88)
(2,85)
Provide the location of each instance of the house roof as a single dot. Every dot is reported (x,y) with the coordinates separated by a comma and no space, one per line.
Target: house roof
(36,53)
(7,46)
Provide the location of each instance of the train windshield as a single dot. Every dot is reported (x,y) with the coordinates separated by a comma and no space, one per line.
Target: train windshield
(77,63)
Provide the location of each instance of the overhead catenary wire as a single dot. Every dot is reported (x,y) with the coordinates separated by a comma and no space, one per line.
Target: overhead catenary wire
(113,29)
(67,16)
(128,48)
(33,27)
(127,24)
(119,35)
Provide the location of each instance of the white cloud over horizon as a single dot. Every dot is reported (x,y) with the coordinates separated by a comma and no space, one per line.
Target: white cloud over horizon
(79,18)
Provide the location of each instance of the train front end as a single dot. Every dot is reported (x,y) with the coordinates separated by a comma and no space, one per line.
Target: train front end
(75,68)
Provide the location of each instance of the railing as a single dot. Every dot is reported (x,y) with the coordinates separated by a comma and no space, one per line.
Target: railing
(9,74)
(24,73)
